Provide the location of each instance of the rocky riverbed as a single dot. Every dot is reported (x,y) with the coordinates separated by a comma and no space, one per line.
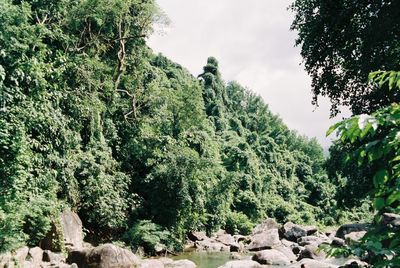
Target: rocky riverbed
(269,245)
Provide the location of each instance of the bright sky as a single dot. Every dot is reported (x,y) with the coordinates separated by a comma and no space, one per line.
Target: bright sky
(254,46)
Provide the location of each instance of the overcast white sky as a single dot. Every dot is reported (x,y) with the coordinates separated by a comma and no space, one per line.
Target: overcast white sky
(254,46)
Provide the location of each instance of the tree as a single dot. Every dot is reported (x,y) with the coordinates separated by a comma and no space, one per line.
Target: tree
(342,42)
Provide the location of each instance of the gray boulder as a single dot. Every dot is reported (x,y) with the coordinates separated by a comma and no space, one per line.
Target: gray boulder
(35,255)
(5,259)
(72,229)
(349,228)
(271,257)
(211,245)
(310,263)
(287,252)
(309,240)
(354,236)
(266,225)
(104,256)
(265,240)
(292,231)
(228,240)
(20,255)
(312,252)
(390,219)
(241,264)
(197,236)
(338,242)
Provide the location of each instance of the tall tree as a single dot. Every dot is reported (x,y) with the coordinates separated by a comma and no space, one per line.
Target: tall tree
(342,42)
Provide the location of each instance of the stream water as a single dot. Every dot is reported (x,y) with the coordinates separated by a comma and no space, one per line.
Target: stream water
(205,259)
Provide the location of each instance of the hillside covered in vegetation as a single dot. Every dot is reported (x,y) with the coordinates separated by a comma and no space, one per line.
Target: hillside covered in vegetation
(91,119)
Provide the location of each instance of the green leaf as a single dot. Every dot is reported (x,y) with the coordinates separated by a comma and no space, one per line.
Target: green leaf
(393,197)
(379,203)
(380,178)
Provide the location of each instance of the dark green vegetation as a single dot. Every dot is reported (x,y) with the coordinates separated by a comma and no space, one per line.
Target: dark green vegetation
(91,119)
(345,44)
(342,42)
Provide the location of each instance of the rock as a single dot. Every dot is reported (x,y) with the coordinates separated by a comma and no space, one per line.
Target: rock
(311,229)
(182,264)
(241,264)
(309,240)
(354,236)
(338,242)
(287,252)
(235,256)
(166,260)
(288,243)
(228,240)
(197,236)
(330,232)
(239,238)
(211,246)
(349,228)
(52,257)
(72,229)
(5,258)
(292,231)
(151,263)
(266,225)
(297,249)
(35,255)
(353,263)
(390,219)
(271,257)
(310,263)
(312,252)
(264,240)
(104,256)
(20,255)
(29,264)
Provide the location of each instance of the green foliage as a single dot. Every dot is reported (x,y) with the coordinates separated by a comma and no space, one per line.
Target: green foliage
(91,118)
(149,236)
(238,223)
(342,42)
(378,141)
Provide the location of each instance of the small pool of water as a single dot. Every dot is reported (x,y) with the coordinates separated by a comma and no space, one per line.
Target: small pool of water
(205,259)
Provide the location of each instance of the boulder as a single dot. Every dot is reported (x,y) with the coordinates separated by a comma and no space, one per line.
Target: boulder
(338,242)
(20,255)
(292,231)
(241,264)
(228,240)
(354,236)
(310,263)
(297,249)
(197,236)
(151,263)
(309,240)
(266,225)
(239,238)
(353,263)
(349,228)
(288,243)
(312,252)
(35,255)
(72,229)
(287,252)
(264,240)
(5,259)
(104,256)
(166,261)
(311,229)
(271,257)
(52,257)
(211,245)
(390,219)
(182,264)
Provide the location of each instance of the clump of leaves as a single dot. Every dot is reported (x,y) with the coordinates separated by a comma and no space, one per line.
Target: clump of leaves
(150,236)
(378,139)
